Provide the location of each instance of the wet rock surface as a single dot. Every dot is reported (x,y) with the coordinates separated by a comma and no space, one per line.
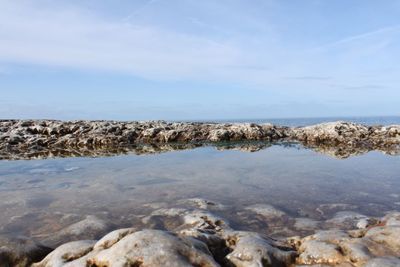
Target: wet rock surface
(20,139)
(200,239)
(376,245)
(197,236)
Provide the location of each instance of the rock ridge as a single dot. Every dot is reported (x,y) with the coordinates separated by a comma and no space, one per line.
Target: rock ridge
(21,139)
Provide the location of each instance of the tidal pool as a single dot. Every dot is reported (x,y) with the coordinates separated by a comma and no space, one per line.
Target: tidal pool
(39,198)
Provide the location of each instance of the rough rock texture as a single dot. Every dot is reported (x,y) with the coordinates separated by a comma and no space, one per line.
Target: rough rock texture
(75,134)
(200,238)
(251,250)
(377,245)
(47,138)
(347,135)
(68,255)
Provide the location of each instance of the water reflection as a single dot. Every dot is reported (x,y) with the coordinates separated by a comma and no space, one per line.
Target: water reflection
(337,151)
(42,198)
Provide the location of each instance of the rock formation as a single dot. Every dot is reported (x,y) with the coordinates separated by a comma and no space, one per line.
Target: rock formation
(203,239)
(21,139)
(196,236)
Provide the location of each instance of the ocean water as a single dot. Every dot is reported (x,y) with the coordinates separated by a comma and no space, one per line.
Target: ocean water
(294,122)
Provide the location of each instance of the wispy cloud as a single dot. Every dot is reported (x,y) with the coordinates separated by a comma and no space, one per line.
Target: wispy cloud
(139,10)
(69,37)
(360,37)
(271,58)
(246,47)
(310,78)
(365,87)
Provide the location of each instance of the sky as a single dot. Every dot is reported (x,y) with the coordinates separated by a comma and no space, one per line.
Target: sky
(198,60)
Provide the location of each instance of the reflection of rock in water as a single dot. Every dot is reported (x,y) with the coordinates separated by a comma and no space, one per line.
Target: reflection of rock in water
(45,138)
(243,146)
(342,151)
(337,151)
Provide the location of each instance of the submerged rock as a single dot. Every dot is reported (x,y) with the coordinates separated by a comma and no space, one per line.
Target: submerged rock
(90,227)
(204,204)
(306,224)
(20,251)
(268,211)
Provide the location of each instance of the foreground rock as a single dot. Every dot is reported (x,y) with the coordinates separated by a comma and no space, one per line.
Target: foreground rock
(143,248)
(377,245)
(201,239)
(47,138)
(204,239)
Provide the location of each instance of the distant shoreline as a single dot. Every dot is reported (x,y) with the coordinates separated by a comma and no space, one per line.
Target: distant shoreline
(285,121)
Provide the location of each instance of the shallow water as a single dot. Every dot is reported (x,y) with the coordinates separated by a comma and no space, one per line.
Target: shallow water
(41,197)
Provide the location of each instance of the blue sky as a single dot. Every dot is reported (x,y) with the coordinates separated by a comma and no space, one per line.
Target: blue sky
(190,59)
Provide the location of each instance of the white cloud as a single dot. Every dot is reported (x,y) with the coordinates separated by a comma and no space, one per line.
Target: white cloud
(248,52)
(73,38)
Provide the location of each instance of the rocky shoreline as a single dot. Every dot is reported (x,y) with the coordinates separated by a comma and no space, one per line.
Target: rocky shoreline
(195,232)
(197,236)
(25,139)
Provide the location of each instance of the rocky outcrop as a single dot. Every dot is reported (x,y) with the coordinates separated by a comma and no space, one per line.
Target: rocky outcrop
(142,248)
(32,138)
(48,138)
(203,239)
(348,134)
(46,133)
